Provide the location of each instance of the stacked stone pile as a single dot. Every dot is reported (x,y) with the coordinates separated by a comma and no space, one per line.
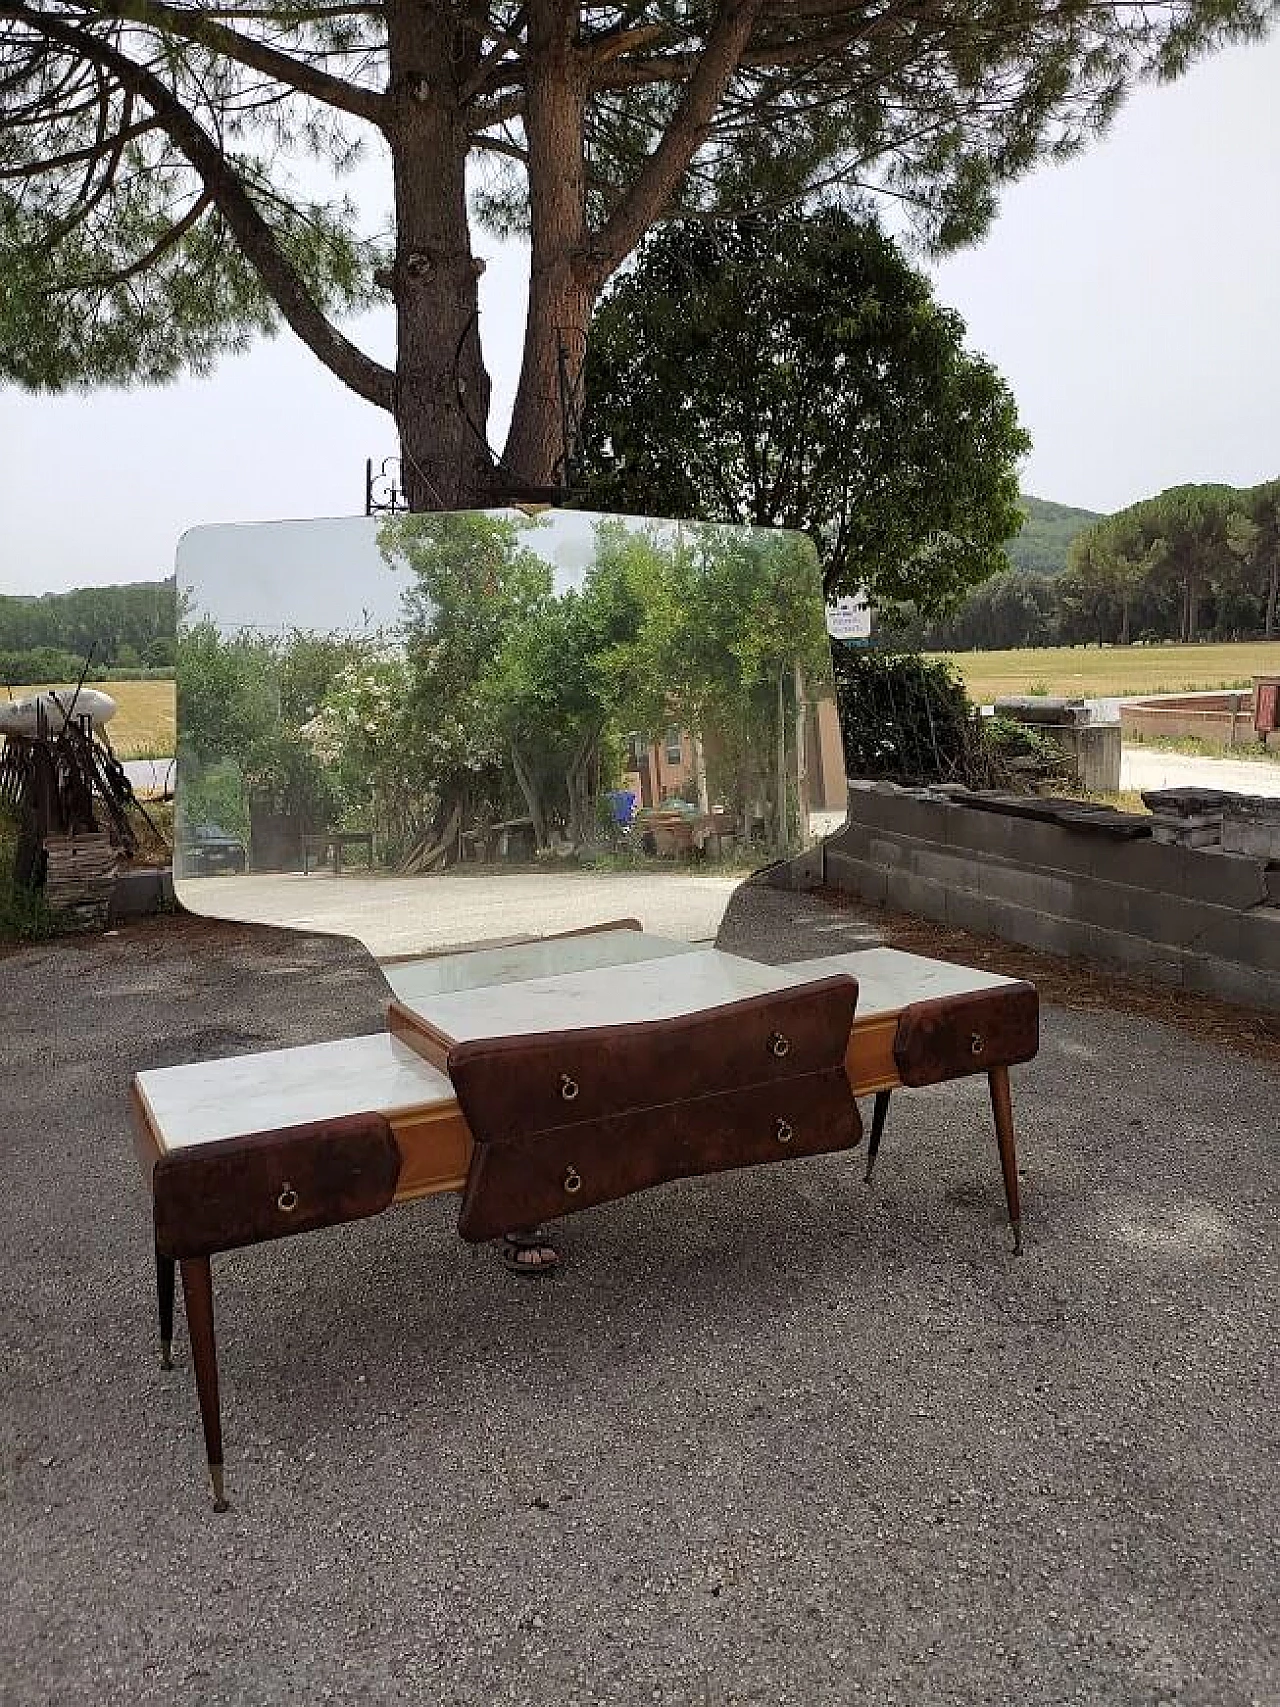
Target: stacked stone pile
(1210,817)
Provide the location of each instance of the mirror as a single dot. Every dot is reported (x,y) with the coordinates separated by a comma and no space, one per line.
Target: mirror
(433,731)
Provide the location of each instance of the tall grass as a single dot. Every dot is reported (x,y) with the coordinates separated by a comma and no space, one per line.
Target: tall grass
(24,917)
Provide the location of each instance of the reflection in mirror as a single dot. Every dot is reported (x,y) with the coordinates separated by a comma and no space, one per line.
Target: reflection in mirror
(432,731)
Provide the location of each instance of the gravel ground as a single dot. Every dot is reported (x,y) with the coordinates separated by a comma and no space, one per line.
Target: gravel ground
(770,1438)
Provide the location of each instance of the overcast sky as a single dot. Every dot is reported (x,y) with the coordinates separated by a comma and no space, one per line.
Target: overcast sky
(1129,297)
(265,577)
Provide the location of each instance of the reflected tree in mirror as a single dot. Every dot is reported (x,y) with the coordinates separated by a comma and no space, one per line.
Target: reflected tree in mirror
(497,693)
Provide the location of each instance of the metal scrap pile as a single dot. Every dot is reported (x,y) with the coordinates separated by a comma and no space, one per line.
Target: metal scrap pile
(70,798)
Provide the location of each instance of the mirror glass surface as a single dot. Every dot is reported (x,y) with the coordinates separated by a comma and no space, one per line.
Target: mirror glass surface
(429,732)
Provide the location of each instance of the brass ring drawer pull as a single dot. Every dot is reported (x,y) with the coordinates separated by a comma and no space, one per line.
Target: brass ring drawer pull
(778,1045)
(573,1181)
(977,1043)
(568,1087)
(784,1132)
(287,1201)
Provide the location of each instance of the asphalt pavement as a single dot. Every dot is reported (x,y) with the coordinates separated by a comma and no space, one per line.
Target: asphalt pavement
(772,1437)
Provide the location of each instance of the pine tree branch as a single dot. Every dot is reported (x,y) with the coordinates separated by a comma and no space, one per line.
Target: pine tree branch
(172,237)
(684,135)
(259,243)
(203,30)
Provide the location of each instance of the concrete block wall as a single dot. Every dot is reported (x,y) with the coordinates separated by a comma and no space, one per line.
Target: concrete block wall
(1197,919)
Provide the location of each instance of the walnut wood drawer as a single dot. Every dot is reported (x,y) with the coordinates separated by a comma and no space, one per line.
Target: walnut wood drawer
(565,1120)
(269,1185)
(956,1035)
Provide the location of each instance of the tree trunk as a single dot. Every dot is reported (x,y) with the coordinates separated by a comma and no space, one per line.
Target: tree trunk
(700,773)
(802,757)
(1273,597)
(428,853)
(781,777)
(442,386)
(560,303)
(578,784)
(529,788)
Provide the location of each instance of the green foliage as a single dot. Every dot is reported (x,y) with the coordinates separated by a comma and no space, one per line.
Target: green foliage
(508,683)
(157,204)
(24,914)
(123,625)
(1040,545)
(907,719)
(44,664)
(214,793)
(364,735)
(1190,560)
(1012,740)
(797,373)
(1190,563)
(1012,609)
(243,703)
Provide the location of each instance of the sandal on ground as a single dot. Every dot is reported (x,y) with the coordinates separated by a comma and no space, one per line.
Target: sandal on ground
(530,1253)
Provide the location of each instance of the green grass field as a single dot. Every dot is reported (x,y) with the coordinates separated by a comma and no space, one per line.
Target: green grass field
(145,725)
(1099,671)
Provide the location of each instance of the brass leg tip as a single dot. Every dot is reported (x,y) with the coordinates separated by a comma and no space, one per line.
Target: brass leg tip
(220,1502)
(166,1354)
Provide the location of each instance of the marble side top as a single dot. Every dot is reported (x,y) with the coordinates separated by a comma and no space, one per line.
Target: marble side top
(516,963)
(209,1100)
(888,981)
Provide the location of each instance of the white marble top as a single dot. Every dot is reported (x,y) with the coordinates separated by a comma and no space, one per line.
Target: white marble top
(888,981)
(611,995)
(208,1100)
(515,963)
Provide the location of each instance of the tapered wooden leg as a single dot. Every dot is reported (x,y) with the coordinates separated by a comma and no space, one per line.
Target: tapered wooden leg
(879,1114)
(1002,1109)
(164,1294)
(197,1292)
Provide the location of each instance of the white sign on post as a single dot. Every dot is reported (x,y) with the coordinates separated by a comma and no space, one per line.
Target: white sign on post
(849,617)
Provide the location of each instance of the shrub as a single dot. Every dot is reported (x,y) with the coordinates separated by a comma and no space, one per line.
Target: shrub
(908,719)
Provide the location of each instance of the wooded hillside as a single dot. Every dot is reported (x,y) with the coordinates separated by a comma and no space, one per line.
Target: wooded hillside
(1040,546)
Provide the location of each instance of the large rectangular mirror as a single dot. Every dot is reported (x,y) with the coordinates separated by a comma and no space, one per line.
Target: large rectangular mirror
(432,731)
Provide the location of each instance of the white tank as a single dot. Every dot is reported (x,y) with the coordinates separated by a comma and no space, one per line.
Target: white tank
(21,716)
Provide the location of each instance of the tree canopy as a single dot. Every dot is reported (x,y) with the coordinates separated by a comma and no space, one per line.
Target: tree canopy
(1192,562)
(798,373)
(126,627)
(1165,558)
(507,682)
(160,163)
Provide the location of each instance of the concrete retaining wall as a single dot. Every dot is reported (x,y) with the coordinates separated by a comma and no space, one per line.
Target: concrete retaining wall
(140,893)
(1198,919)
(1220,719)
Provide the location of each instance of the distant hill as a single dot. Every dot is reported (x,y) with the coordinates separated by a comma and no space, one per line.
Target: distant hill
(1041,545)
